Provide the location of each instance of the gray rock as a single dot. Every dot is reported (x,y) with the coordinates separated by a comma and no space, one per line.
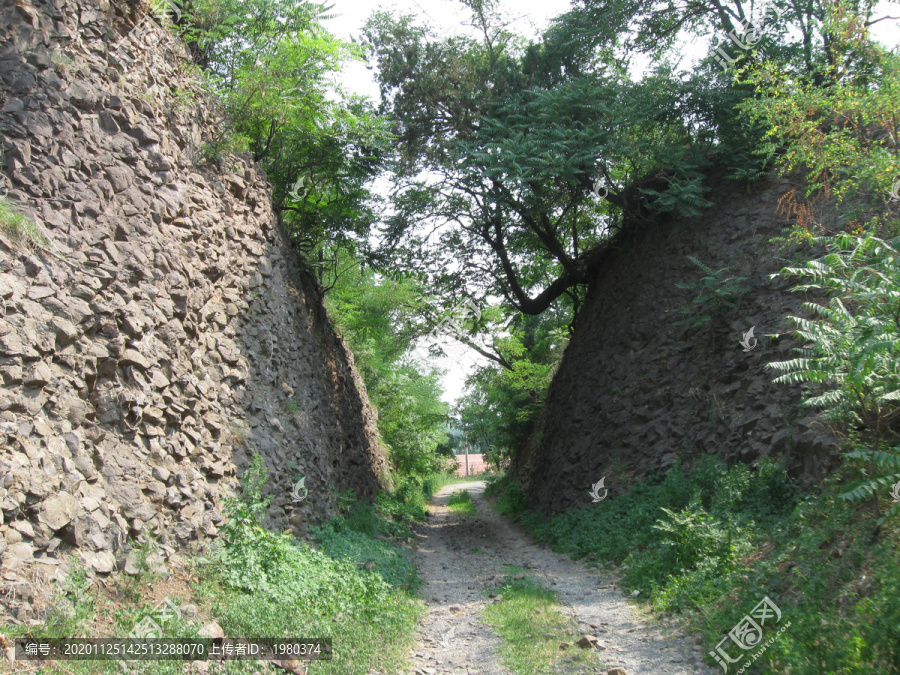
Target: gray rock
(40,376)
(37,293)
(58,511)
(17,555)
(144,135)
(102,562)
(132,357)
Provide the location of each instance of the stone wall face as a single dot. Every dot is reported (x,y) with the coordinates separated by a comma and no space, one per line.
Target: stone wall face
(166,332)
(634,391)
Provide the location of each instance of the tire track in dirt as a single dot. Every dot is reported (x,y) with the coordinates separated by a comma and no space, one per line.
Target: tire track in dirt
(458,557)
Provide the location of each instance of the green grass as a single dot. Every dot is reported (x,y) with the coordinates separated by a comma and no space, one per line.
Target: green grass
(19,228)
(710,542)
(434,482)
(461,502)
(532,628)
(258,583)
(353,538)
(277,587)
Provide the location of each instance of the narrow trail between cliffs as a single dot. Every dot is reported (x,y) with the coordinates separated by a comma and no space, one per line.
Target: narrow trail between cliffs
(459,557)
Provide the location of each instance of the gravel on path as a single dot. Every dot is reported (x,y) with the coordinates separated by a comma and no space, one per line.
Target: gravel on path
(458,557)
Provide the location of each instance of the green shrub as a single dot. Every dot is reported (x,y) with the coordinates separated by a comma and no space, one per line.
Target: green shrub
(693,535)
(381,519)
(406,501)
(715,293)
(709,496)
(274,586)
(511,499)
(684,195)
(853,361)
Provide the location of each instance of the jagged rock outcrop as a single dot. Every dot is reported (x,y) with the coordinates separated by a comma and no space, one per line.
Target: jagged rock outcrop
(634,391)
(166,332)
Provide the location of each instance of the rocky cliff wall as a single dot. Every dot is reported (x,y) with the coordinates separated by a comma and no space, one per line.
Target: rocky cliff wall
(164,332)
(634,391)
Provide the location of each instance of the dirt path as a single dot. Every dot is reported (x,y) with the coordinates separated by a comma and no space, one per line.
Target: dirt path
(458,557)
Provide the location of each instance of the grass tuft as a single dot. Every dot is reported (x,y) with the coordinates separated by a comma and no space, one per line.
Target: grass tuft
(461,502)
(528,620)
(19,228)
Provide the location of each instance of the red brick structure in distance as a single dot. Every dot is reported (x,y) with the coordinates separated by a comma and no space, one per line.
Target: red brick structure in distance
(477,465)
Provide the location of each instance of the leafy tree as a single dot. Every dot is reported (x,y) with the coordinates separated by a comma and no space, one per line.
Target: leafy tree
(272,65)
(801,35)
(502,403)
(379,320)
(845,137)
(504,148)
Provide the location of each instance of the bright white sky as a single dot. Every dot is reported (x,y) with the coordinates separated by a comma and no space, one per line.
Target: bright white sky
(530,18)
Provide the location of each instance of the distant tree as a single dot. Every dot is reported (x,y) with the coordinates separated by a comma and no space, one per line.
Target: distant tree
(501,404)
(378,319)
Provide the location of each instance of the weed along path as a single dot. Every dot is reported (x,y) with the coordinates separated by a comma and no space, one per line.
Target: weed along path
(464,561)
